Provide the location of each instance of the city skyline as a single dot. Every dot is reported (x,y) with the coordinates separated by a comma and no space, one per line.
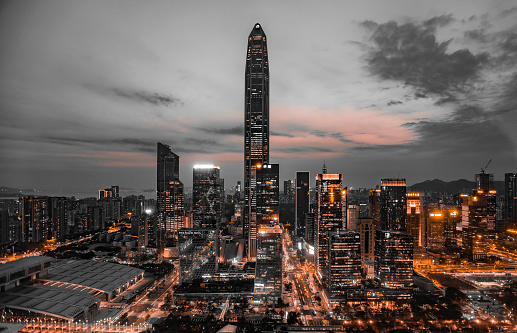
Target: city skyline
(88,90)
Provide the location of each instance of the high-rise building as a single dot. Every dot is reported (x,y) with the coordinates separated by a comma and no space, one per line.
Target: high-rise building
(289,188)
(256,119)
(208,193)
(264,208)
(394,261)
(374,206)
(478,222)
(169,195)
(367,229)
(110,192)
(302,203)
(393,204)
(484,181)
(267,194)
(440,225)
(34,218)
(269,266)
(414,217)
(352,217)
(510,197)
(197,251)
(344,261)
(331,215)
(5,236)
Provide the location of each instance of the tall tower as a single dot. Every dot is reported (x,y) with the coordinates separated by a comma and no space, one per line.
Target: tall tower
(302,203)
(169,193)
(208,194)
(393,204)
(331,216)
(510,194)
(256,121)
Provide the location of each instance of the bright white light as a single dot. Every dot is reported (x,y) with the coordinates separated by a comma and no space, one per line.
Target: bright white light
(148,211)
(206,166)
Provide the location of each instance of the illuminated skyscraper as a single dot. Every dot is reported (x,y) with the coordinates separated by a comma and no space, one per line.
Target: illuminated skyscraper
(256,120)
(208,191)
(414,217)
(302,203)
(169,193)
(331,216)
(393,204)
(374,206)
(344,261)
(510,194)
(394,261)
(268,274)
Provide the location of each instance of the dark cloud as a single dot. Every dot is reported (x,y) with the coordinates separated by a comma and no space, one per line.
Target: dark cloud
(287,135)
(411,54)
(236,130)
(438,21)
(508,98)
(392,102)
(323,134)
(477,35)
(147,97)
(508,12)
(468,132)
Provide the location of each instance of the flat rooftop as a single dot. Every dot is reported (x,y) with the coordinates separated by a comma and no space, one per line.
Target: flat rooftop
(49,301)
(23,263)
(102,276)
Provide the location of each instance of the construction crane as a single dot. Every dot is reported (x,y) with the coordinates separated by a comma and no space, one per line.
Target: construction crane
(483,169)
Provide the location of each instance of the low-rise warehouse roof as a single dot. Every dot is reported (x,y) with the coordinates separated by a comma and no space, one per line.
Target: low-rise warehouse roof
(50,301)
(103,276)
(11,267)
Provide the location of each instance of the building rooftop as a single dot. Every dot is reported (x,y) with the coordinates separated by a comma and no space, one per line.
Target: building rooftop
(50,301)
(102,276)
(23,263)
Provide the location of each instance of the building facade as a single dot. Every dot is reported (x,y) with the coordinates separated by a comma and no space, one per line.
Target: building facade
(331,216)
(269,266)
(393,204)
(208,194)
(344,261)
(169,194)
(256,120)
(394,261)
(302,203)
(510,195)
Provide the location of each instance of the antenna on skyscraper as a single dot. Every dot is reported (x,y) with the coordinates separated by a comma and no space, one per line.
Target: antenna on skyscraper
(324,168)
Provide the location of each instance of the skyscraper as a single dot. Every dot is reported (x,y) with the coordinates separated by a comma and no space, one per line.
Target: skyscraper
(344,261)
(414,217)
(268,275)
(510,194)
(331,216)
(256,119)
(394,261)
(169,193)
(393,204)
(207,196)
(302,203)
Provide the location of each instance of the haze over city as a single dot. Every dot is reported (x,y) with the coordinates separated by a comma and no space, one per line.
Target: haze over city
(415,89)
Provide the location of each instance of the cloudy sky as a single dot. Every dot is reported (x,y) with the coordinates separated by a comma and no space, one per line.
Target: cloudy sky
(377,89)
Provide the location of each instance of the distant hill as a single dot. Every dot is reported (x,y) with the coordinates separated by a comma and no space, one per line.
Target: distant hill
(455,186)
(9,191)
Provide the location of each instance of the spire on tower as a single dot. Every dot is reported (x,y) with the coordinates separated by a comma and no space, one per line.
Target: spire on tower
(324,168)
